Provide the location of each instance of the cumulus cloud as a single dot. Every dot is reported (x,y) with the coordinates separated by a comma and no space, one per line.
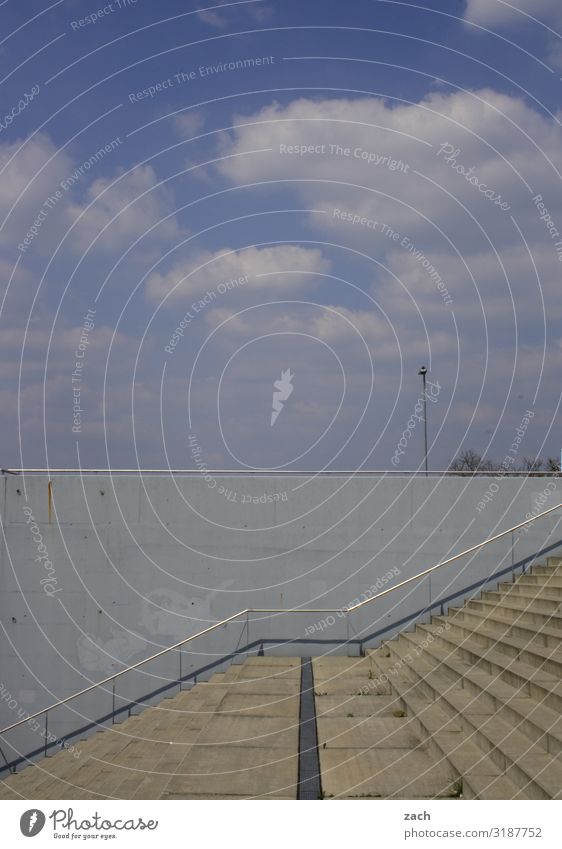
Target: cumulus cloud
(189,124)
(269,271)
(257,11)
(117,210)
(44,194)
(30,171)
(404,164)
(212,19)
(554,53)
(350,155)
(500,13)
(419,168)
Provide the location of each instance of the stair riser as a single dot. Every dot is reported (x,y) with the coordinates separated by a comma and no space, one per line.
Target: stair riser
(455,758)
(421,686)
(550,606)
(505,628)
(524,687)
(453,679)
(428,738)
(514,772)
(531,591)
(540,580)
(459,681)
(508,767)
(545,570)
(457,634)
(554,578)
(512,616)
(546,740)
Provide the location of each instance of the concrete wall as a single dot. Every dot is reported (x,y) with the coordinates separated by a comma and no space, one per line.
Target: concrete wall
(99,572)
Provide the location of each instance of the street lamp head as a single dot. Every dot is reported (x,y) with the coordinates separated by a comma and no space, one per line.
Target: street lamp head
(423,370)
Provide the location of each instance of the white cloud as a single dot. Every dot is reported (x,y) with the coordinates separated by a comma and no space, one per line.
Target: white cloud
(212,19)
(30,171)
(189,124)
(554,53)
(37,192)
(494,134)
(491,13)
(271,271)
(499,316)
(123,208)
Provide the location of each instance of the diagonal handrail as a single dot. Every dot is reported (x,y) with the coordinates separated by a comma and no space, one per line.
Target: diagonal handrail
(248,610)
(176,646)
(452,559)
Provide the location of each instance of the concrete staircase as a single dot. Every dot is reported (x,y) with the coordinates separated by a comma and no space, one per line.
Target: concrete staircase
(484,684)
(370,746)
(468,706)
(235,736)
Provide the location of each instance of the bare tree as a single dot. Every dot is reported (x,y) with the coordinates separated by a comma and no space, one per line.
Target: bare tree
(470,461)
(528,464)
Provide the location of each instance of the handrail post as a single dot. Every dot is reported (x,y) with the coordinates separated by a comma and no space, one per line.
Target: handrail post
(512,559)
(180,669)
(238,616)
(347,633)
(5,759)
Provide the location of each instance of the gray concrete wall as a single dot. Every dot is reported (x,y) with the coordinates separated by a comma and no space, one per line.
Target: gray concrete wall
(103,571)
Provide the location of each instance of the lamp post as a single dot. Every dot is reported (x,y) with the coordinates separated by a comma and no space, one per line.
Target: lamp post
(423,372)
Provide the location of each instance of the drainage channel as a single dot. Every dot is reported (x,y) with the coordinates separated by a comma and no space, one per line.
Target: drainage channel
(309,783)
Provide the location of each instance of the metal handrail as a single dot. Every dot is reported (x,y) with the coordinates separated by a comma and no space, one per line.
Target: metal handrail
(294,472)
(111,678)
(452,559)
(248,610)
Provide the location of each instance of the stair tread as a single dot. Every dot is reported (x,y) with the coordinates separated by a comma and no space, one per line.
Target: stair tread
(527,580)
(511,640)
(506,606)
(507,595)
(541,714)
(497,730)
(552,633)
(487,653)
(474,765)
(517,666)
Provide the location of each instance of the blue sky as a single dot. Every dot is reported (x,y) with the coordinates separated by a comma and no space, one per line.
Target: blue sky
(379,179)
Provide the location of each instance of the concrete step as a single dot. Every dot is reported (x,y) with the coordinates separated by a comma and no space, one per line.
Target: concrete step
(184,747)
(526,679)
(535,772)
(527,650)
(546,637)
(478,775)
(537,601)
(530,589)
(369,745)
(511,613)
(548,570)
(539,722)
